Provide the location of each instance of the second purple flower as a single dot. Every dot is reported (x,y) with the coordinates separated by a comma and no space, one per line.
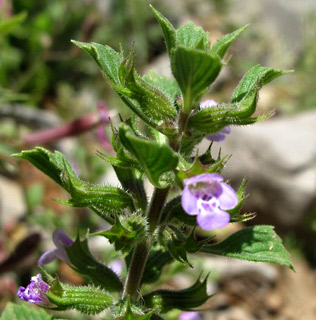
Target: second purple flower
(208,197)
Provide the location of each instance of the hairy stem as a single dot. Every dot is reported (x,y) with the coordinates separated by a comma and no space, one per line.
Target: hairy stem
(141,251)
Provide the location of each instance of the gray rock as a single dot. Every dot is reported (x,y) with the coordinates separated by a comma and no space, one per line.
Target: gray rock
(278,156)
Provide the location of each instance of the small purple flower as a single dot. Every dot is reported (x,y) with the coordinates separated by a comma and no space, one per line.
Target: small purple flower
(117,266)
(189,315)
(34,292)
(221,135)
(61,240)
(207,197)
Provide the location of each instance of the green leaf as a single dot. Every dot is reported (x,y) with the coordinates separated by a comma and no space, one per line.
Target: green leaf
(258,243)
(14,311)
(155,159)
(107,58)
(254,79)
(157,259)
(86,299)
(125,234)
(168,30)
(152,101)
(84,263)
(168,86)
(132,182)
(52,164)
(194,71)
(106,199)
(109,61)
(192,36)
(125,310)
(220,47)
(212,120)
(186,299)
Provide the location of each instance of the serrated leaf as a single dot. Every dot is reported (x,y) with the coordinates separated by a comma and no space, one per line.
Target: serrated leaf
(254,79)
(258,243)
(109,61)
(14,311)
(213,119)
(107,199)
(107,58)
(51,164)
(220,47)
(126,233)
(186,299)
(86,299)
(168,30)
(155,159)
(166,85)
(194,71)
(84,263)
(152,101)
(157,259)
(192,36)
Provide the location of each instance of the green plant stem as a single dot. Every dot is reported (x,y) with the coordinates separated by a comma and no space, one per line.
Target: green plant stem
(141,251)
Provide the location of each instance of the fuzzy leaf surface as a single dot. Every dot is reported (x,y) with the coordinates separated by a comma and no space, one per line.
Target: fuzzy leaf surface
(221,46)
(14,311)
(258,243)
(194,71)
(86,299)
(155,158)
(167,28)
(254,79)
(186,299)
(192,36)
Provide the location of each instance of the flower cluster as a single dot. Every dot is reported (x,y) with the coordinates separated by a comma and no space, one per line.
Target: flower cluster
(35,291)
(207,197)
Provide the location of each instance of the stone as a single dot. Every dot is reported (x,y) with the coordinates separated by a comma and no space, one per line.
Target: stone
(278,157)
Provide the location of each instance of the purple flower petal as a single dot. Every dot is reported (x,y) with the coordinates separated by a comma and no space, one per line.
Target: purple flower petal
(205,177)
(189,202)
(34,292)
(189,315)
(60,238)
(62,255)
(228,198)
(47,257)
(208,103)
(217,219)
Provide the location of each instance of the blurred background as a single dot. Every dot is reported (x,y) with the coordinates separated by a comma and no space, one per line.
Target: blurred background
(47,82)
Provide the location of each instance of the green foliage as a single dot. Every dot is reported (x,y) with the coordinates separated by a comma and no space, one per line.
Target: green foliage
(254,79)
(168,30)
(127,233)
(221,46)
(194,71)
(14,311)
(154,158)
(104,200)
(84,263)
(186,299)
(86,299)
(128,311)
(258,243)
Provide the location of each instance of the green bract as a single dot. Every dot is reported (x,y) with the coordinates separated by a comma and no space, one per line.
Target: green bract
(162,149)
